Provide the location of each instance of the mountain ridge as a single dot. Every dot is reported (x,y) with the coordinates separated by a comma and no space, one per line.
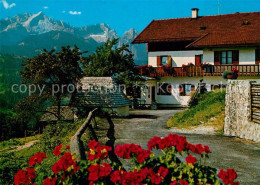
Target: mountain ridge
(27,34)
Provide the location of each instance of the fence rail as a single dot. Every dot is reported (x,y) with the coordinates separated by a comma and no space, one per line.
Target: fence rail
(255,103)
(190,71)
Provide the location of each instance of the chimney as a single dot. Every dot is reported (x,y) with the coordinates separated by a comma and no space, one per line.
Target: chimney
(194,13)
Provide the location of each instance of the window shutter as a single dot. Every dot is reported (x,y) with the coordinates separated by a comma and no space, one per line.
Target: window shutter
(217,57)
(235,57)
(169,60)
(159,61)
(181,90)
(257,56)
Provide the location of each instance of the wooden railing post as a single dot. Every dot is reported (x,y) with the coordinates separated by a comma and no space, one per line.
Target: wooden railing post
(215,70)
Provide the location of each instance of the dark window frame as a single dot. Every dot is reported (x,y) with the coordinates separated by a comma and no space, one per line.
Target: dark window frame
(161,57)
(226,57)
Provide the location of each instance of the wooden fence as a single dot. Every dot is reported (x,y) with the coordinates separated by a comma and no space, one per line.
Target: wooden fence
(255,102)
(190,71)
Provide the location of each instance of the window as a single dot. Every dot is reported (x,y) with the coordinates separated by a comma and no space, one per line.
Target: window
(164,60)
(186,89)
(164,89)
(226,57)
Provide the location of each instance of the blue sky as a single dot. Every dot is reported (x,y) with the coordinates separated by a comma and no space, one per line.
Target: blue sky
(122,15)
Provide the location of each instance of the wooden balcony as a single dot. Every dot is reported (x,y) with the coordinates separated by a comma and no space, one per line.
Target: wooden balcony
(193,71)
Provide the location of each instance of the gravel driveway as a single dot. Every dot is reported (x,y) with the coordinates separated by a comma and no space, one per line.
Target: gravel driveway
(227,152)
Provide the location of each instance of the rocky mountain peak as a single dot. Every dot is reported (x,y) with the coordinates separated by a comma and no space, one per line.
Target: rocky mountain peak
(34,32)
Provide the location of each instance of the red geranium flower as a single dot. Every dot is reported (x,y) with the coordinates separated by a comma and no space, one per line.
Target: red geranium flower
(57,149)
(228,176)
(191,159)
(50,181)
(183,182)
(154,142)
(199,149)
(37,158)
(24,176)
(98,171)
(64,163)
(163,171)
(175,182)
(127,150)
(192,148)
(97,151)
(206,149)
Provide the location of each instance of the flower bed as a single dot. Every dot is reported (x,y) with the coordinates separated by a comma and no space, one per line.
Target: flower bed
(179,163)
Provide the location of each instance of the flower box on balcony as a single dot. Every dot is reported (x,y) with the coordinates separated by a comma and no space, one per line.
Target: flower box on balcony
(146,70)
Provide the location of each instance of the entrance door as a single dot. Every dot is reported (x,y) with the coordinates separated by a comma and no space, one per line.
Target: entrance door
(198,60)
(153,93)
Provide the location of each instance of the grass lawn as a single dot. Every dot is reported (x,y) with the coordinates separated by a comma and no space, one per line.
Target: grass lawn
(53,135)
(17,142)
(210,105)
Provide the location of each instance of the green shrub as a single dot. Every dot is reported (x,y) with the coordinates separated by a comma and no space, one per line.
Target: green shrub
(60,133)
(209,105)
(10,162)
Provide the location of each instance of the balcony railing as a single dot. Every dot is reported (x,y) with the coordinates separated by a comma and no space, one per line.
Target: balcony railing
(191,71)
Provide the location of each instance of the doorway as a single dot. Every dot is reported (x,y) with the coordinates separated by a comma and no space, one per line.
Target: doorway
(153,93)
(198,59)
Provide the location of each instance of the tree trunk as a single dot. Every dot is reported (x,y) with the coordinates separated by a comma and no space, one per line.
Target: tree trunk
(76,145)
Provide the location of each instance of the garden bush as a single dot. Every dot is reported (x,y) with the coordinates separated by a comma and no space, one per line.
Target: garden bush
(59,133)
(209,105)
(179,162)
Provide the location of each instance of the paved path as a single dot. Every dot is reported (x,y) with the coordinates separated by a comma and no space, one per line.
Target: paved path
(227,152)
(20,147)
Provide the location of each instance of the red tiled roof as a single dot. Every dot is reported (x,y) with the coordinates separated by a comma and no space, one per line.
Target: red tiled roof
(220,30)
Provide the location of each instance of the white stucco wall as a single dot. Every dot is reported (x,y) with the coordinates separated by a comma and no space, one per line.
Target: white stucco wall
(178,57)
(208,56)
(246,55)
(175,98)
(146,91)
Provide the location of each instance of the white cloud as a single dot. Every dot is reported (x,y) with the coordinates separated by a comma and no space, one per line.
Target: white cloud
(6,4)
(45,7)
(74,13)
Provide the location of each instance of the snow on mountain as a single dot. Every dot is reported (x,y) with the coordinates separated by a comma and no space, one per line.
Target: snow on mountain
(99,32)
(18,33)
(27,22)
(35,24)
(139,50)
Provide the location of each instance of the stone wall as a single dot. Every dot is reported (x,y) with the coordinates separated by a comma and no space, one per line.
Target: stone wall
(238,111)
